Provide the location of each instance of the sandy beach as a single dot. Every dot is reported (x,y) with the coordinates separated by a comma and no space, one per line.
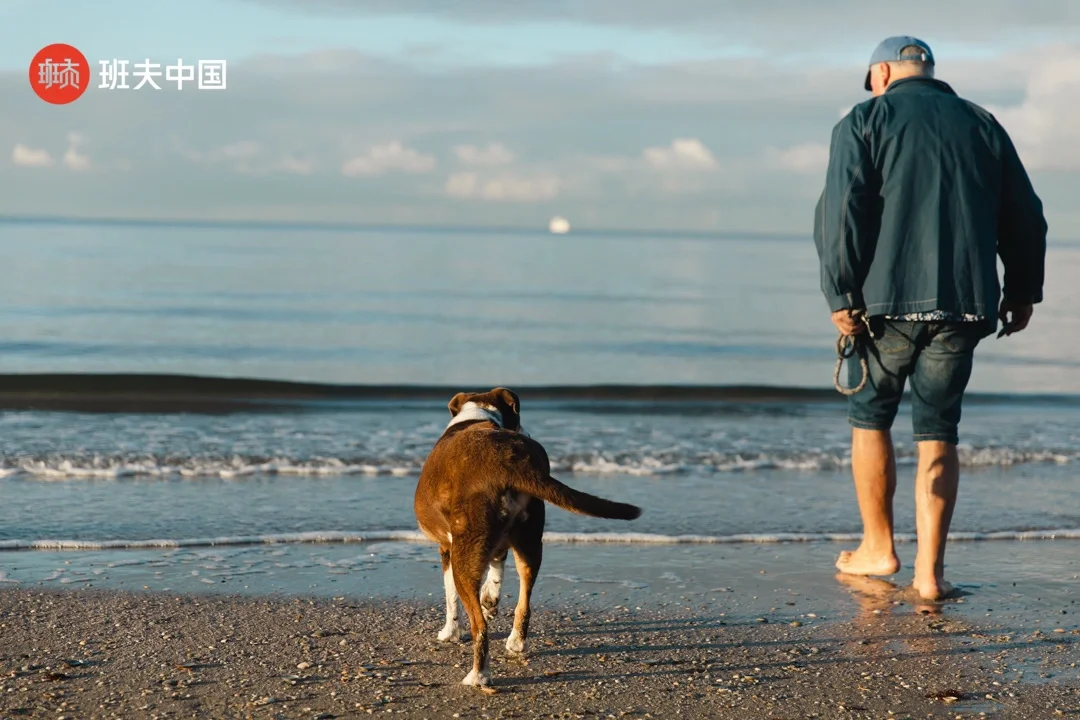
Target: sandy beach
(90,653)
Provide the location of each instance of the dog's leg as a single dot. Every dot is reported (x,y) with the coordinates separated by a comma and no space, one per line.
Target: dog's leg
(470,555)
(489,595)
(527,541)
(451,632)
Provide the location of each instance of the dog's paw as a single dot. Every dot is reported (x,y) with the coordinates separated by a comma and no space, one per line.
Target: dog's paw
(450,633)
(515,644)
(477,679)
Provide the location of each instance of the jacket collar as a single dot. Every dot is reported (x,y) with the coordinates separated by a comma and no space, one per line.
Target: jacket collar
(915,83)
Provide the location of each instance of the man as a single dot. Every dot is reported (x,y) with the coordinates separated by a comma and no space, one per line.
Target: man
(923,191)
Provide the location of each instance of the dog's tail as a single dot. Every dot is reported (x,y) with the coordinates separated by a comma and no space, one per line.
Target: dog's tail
(551,490)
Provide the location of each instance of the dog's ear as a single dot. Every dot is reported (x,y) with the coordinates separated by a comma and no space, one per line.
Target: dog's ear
(510,398)
(456,402)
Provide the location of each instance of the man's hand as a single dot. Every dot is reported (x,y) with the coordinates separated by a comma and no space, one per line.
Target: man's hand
(849,322)
(1021,315)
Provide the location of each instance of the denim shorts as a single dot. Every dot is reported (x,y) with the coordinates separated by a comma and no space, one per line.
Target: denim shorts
(936,357)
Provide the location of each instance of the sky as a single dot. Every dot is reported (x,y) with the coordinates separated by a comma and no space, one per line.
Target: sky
(707,115)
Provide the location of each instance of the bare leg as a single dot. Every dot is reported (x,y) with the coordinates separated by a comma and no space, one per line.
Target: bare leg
(936,488)
(873,465)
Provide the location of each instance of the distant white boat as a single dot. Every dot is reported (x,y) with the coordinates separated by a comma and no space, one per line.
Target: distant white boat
(559,225)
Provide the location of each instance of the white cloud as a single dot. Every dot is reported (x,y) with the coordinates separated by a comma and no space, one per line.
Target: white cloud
(25,156)
(72,158)
(682,154)
(494,154)
(502,188)
(237,155)
(381,159)
(297,166)
(610,163)
(1045,127)
(462,185)
(248,157)
(243,150)
(806,159)
(75,161)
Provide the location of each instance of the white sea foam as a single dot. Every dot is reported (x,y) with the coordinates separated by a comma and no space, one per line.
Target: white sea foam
(640,461)
(228,469)
(400,536)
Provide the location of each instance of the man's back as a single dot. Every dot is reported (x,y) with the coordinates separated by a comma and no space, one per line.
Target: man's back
(922,189)
(930,189)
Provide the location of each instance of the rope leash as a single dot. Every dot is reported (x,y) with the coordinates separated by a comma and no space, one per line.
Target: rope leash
(848,346)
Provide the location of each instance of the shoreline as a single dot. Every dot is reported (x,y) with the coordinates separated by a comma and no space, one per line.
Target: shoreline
(1030,583)
(360,537)
(90,653)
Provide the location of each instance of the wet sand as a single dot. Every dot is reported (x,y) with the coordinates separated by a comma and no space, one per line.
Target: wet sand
(1029,585)
(90,653)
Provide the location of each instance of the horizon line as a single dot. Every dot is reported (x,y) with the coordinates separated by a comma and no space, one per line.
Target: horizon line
(452,229)
(359,226)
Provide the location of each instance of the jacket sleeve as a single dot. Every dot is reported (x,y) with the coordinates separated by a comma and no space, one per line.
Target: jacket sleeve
(847,217)
(1021,230)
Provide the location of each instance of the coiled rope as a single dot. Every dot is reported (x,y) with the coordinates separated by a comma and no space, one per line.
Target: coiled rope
(848,346)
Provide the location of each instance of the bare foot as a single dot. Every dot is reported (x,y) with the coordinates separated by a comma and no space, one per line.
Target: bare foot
(861,562)
(934,589)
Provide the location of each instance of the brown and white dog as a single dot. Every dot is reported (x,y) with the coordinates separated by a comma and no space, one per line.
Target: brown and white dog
(481,493)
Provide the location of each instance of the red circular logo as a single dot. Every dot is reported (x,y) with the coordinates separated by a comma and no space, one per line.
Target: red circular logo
(59,74)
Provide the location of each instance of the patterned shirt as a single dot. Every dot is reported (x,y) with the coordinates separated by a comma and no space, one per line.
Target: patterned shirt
(936,316)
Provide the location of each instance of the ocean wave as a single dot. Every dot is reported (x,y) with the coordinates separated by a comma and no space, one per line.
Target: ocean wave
(412,536)
(630,463)
(61,468)
(642,462)
(121,392)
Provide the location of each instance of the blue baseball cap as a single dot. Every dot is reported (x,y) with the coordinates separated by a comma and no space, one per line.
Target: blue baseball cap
(890,48)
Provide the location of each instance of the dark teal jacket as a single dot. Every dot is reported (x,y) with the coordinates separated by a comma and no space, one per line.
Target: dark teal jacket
(924,190)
